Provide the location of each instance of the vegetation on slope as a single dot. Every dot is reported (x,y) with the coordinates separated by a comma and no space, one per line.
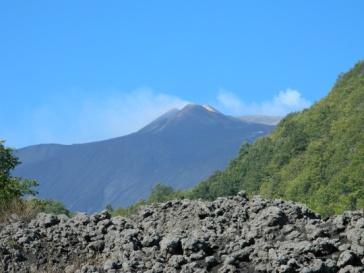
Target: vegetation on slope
(14,189)
(11,187)
(315,156)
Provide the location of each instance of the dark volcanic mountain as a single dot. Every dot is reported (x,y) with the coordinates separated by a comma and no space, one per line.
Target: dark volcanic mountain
(179,149)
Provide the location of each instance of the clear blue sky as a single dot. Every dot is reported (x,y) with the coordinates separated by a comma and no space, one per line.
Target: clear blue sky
(74,71)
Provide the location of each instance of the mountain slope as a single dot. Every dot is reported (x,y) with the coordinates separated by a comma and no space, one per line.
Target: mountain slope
(179,149)
(315,156)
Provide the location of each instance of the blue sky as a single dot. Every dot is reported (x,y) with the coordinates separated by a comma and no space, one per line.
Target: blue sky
(75,71)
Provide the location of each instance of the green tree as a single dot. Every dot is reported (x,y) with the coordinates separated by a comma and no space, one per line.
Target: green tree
(12,187)
(48,206)
(109,208)
(160,193)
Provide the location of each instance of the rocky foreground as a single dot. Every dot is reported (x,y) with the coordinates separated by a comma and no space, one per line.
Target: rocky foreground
(227,235)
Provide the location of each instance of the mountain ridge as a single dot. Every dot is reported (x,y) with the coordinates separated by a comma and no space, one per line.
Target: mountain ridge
(179,149)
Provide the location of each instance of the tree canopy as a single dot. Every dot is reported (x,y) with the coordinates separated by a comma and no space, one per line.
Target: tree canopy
(315,156)
(12,187)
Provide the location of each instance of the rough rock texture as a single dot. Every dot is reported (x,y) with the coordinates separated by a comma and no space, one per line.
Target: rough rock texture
(227,235)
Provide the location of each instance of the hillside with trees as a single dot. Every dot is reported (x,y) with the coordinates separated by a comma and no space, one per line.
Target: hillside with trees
(315,156)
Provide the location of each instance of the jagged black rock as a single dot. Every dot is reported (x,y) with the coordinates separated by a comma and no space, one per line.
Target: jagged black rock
(233,234)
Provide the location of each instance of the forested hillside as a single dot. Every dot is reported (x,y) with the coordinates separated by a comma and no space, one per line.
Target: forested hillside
(315,156)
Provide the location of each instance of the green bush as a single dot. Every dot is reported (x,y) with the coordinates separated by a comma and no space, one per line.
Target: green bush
(49,206)
(12,187)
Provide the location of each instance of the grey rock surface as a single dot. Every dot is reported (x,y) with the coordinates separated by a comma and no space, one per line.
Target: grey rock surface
(231,234)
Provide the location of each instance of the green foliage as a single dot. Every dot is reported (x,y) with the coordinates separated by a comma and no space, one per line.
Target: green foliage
(129,210)
(28,209)
(12,187)
(109,208)
(315,156)
(49,206)
(161,193)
